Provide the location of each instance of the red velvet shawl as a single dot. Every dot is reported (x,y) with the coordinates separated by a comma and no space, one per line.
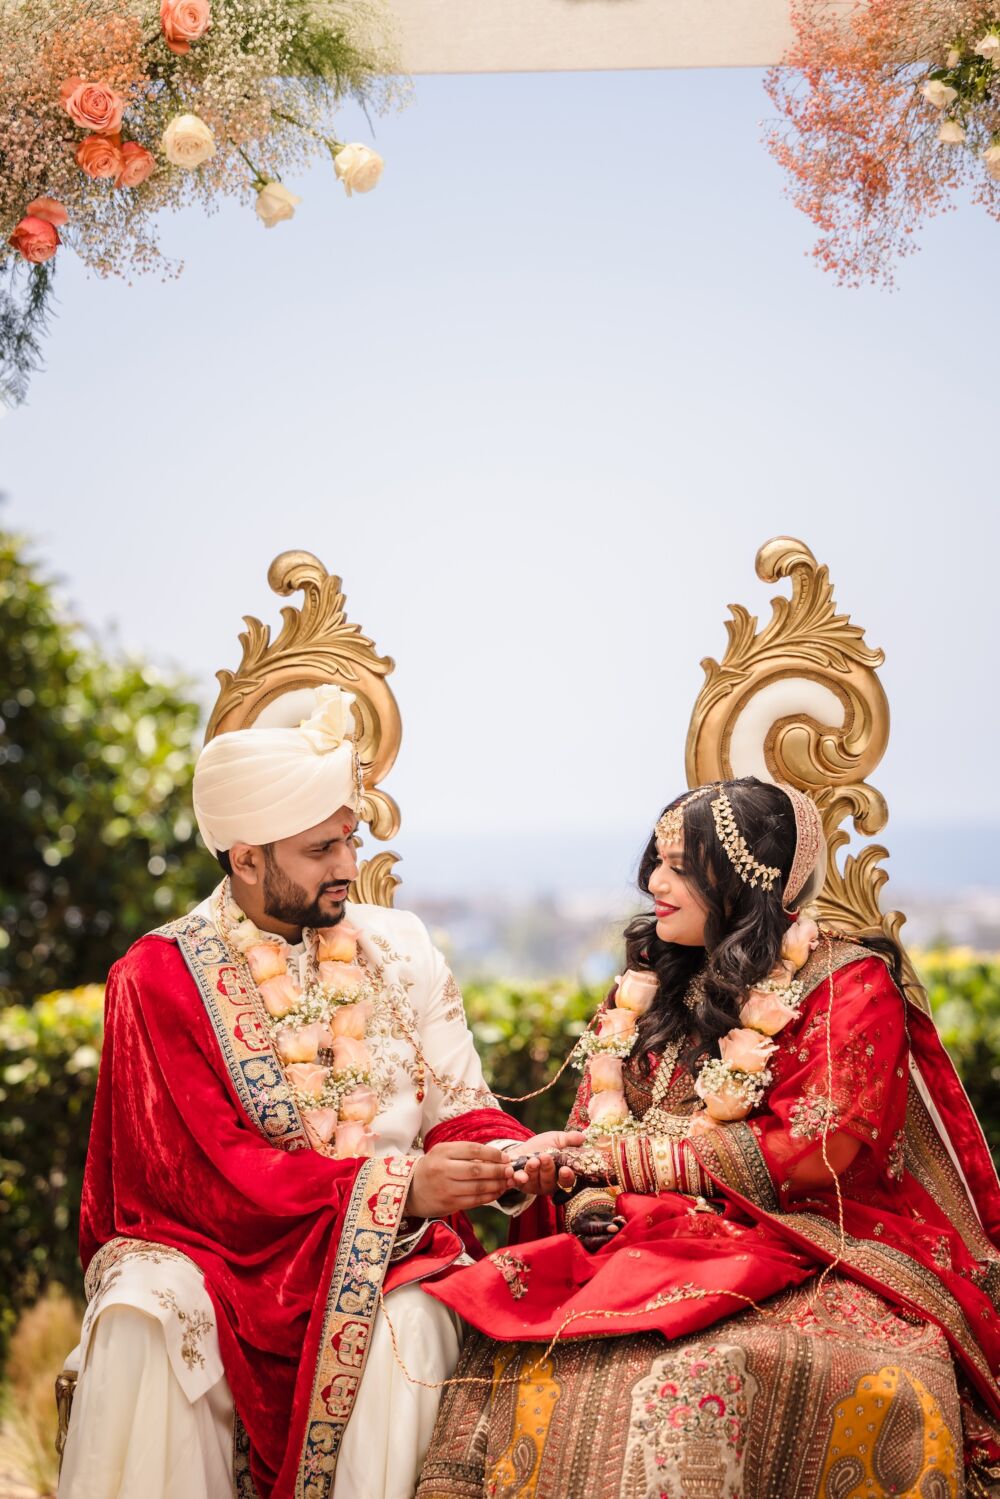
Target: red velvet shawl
(921,1222)
(188,1149)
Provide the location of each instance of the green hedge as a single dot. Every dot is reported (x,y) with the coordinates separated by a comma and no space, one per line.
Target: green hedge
(50,1051)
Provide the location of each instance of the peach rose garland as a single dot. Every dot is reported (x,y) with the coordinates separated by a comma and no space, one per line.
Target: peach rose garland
(318,1031)
(731,1084)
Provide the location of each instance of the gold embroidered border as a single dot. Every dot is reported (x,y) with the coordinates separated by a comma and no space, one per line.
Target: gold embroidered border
(732,1153)
(929,1162)
(823,962)
(115,1250)
(370,1226)
(246,1049)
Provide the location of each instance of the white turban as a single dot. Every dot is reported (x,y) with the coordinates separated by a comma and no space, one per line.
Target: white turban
(272,781)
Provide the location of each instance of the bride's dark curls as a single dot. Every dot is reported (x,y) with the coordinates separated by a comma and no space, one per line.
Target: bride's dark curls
(744,925)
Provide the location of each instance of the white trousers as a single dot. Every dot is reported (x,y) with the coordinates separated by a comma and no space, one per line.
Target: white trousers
(134,1434)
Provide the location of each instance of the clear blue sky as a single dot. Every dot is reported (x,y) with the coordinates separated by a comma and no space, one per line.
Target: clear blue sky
(539,398)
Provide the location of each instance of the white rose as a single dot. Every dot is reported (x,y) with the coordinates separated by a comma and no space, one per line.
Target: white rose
(954,58)
(991,156)
(187,142)
(951,133)
(275,203)
(988,46)
(331,721)
(939,94)
(358,168)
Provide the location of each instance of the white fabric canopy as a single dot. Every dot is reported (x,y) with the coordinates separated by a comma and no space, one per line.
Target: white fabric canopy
(513,36)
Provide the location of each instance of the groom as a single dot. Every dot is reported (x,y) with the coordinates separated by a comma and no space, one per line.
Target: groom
(290,1122)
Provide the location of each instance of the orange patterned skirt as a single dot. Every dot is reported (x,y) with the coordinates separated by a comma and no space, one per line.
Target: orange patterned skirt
(824,1393)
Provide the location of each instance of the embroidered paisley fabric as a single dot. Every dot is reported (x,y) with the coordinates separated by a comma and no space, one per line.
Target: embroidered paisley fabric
(921,1217)
(827,1396)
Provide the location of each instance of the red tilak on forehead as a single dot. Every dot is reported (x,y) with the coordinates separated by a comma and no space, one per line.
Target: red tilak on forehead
(346,828)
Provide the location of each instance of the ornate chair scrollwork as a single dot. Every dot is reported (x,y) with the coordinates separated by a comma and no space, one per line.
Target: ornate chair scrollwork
(800,701)
(318,644)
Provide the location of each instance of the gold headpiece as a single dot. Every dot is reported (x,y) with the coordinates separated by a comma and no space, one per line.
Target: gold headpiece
(735,846)
(670,828)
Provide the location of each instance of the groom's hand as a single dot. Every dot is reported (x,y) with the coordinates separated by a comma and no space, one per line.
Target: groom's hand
(456,1176)
(538,1169)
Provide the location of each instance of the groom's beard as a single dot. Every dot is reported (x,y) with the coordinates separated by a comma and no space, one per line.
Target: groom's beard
(288,902)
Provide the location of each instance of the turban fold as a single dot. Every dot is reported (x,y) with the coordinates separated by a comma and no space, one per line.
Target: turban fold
(272,781)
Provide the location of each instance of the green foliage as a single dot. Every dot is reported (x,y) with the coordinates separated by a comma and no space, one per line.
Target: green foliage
(95,772)
(49,1056)
(48,1069)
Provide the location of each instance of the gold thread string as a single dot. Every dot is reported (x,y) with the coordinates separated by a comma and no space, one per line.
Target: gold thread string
(841,1232)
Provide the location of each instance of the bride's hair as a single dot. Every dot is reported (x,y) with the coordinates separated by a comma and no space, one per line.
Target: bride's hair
(744,926)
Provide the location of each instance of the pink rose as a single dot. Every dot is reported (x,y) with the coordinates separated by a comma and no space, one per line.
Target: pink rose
(266,961)
(746,1050)
(607,1108)
(337,944)
(350,1055)
(302,1043)
(605,1074)
(726,1105)
(636,991)
(615,1022)
(280,995)
(92,106)
(308,1077)
(351,1020)
(137,165)
(49,209)
(183,22)
(320,1125)
(359,1106)
(765,1012)
(99,156)
(341,976)
(354,1140)
(799,941)
(35,239)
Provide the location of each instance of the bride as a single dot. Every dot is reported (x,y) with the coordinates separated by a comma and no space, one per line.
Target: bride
(778,1274)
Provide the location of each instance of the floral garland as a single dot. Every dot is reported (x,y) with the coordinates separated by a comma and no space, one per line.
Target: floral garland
(886,110)
(115,109)
(320,1030)
(730,1085)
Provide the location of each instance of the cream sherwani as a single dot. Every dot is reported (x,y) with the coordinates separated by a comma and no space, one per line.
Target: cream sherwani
(153,1416)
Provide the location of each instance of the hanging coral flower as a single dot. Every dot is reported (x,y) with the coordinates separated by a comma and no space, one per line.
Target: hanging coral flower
(49,209)
(183,22)
(137,165)
(35,239)
(92,106)
(99,155)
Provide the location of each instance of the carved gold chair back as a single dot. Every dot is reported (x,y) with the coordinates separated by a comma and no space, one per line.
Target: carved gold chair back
(800,701)
(318,644)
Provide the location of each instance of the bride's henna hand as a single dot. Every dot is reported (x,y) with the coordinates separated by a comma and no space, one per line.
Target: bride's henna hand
(596,1229)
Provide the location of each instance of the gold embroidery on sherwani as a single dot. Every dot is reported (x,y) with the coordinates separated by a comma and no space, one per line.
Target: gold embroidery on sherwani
(195,1325)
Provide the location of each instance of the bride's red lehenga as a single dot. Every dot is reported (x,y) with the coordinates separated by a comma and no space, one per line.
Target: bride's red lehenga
(870,1378)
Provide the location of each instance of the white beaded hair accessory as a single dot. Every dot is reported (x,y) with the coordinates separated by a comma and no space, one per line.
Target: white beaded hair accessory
(734,844)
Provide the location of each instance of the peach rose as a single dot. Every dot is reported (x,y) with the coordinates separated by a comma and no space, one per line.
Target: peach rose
(92,106)
(308,1077)
(359,1106)
(266,960)
(137,165)
(341,976)
(183,22)
(799,941)
(49,209)
(350,1055)
(746,1050)
(607,1108)
(337,944)
(99,156)
(319,1125)
(726,1105)
(351,1020)
(35,239)
(636,991)
(765,1012)
(302,1043)
(605,1074)
(615,1022)
(280,995)
(354,1140)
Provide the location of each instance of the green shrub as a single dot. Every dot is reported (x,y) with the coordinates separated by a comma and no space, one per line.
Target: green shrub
(48,1069)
